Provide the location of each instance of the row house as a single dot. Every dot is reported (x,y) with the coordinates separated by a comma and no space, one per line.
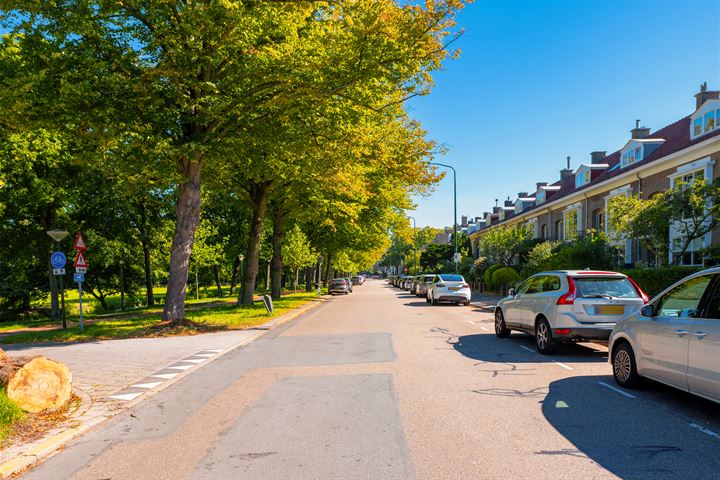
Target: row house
(649,163)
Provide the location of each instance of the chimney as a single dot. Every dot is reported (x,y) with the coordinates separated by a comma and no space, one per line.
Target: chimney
(509,203)
(597,157)
(640,132)
(496,209)
(478,220)
(540,184)
(567,171)
(522,194)
(464,221)
(704,95)
(486,215)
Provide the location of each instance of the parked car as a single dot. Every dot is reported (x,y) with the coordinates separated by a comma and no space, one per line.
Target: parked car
(339,285)
(357,280)
(674,339)
(448,287)
(425,281)
(568,306)
(350,284)
(415,282)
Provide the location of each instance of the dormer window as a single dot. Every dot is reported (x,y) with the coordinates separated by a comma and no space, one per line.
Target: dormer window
(631,156)
(637,149)
(583,175)
(705,119)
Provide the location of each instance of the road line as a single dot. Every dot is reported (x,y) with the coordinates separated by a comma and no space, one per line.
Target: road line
(206,355)
(166,376)
(563,365)
(528,349)
(181,367)
(195,360)
(628,395)
(126,396)
(705,430)
(486,329)
(211,350)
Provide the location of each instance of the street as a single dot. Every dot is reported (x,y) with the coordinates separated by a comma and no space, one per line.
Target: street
(380,385)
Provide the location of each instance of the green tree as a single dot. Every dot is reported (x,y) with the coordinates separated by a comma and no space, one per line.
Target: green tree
(500,244)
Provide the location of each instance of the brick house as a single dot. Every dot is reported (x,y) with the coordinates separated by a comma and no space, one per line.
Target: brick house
(648,163)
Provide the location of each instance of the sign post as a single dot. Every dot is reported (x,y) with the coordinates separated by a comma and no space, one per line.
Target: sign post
(58,260)
(80,269)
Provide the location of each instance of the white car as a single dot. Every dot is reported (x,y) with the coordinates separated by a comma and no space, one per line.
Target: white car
(568,305)
(675,339)
(448,287)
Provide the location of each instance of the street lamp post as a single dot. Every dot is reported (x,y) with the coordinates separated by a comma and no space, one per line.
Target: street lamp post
(455,233)
(122,285)
(58,236)
(414,243)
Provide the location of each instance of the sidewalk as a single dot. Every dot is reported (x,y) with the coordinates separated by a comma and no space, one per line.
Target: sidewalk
(112,375)
(487,300)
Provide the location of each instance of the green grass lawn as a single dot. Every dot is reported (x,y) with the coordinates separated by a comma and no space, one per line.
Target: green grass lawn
(10,414)
(206,319)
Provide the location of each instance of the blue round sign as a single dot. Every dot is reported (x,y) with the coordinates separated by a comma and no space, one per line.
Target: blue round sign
(58,260)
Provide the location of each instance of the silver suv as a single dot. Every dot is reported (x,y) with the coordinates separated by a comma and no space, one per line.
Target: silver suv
(568,305)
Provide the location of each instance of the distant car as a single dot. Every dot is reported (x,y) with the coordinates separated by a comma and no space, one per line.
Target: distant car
(350,284)
(407,284)
(357,280)
(448,287)
(568,305)
(415,282)
(425,281)
(339,285)
(674,339)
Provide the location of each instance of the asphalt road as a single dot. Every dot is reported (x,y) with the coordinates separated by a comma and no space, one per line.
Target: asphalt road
(380,385)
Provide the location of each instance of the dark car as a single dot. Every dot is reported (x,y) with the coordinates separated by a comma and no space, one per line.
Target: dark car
(339,285)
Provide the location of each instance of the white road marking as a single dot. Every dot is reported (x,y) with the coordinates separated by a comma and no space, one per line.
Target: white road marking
(528,349)
(561,404)
(486,329)
(216,351)
(621,392)
(563,365)
(126,396)
(147,385)
(166,376)
(182,367)
(705,430)
(195,360)
(206,355)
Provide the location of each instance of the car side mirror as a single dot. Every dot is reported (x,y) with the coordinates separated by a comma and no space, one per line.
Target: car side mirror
(511,292)
(647,311)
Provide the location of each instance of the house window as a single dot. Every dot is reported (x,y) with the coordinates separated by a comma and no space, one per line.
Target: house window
(598,220)
(545,232)
(571,224)
(697,127)
(709,121)
(559,230)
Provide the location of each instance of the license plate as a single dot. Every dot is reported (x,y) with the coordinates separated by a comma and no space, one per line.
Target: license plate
(610,309)
(454,289)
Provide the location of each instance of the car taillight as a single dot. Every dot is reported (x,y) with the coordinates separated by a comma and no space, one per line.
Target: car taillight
(464,285)
(639,290)
(562,331)
(440,285)
(569,297)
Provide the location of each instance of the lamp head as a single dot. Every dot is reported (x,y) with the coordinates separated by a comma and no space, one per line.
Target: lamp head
(57,235)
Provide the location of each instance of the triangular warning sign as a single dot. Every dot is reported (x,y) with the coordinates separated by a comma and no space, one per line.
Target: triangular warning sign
(80,260)
(80,244)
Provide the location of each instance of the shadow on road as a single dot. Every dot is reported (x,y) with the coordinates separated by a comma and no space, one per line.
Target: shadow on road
(647,437)
(487,347)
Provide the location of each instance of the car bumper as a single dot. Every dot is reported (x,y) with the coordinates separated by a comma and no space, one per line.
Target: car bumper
(453,298)
(583,333)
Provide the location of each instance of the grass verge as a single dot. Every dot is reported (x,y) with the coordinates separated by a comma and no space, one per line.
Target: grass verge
(222,317)
(10,415)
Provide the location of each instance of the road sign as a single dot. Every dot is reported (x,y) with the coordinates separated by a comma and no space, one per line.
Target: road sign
(58,271)
(267,300)
(79,277)
(79,244)
(80,270)
(58,260)
(80,260)
(456,257)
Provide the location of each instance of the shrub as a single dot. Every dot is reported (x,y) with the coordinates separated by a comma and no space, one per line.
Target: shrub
(10,413)
(539,258)
(505,277)
(655,280)
(487,276)
(590,252)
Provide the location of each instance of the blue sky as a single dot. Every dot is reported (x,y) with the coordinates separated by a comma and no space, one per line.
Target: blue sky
(540,80)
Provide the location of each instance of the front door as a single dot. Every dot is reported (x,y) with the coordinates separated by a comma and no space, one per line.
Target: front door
(665,338)
(704,355)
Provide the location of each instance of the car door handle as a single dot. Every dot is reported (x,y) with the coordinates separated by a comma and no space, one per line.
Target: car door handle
(681,333)
(700,335)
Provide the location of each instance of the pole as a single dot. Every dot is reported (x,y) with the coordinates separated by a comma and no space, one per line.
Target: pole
(414,243)
(197,287)
(62,302)
(455,234)
(82,327)
(122,286)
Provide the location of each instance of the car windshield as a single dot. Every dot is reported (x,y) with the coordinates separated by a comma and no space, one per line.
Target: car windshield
(452,278)
(337,281)
(599,287)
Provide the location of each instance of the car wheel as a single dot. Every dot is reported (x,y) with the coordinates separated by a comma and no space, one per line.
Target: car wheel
(544,340)
(624,366)
(427,299)
(501,331)
(433,301)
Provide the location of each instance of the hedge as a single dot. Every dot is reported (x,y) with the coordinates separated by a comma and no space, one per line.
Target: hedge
(655,280)
(487,276)
(505,277)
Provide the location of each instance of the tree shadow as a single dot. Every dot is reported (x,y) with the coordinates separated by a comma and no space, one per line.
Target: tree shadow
(646,437)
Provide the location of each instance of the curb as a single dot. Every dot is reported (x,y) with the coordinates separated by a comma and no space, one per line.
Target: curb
(51,445)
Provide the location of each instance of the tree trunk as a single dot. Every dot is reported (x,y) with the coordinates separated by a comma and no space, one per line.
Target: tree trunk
(234,276)
(276,266)
(35,384)
(217,280)
(187,213)
(259,194)
(328,270)
(309,279)
(145,242)
(296,279)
